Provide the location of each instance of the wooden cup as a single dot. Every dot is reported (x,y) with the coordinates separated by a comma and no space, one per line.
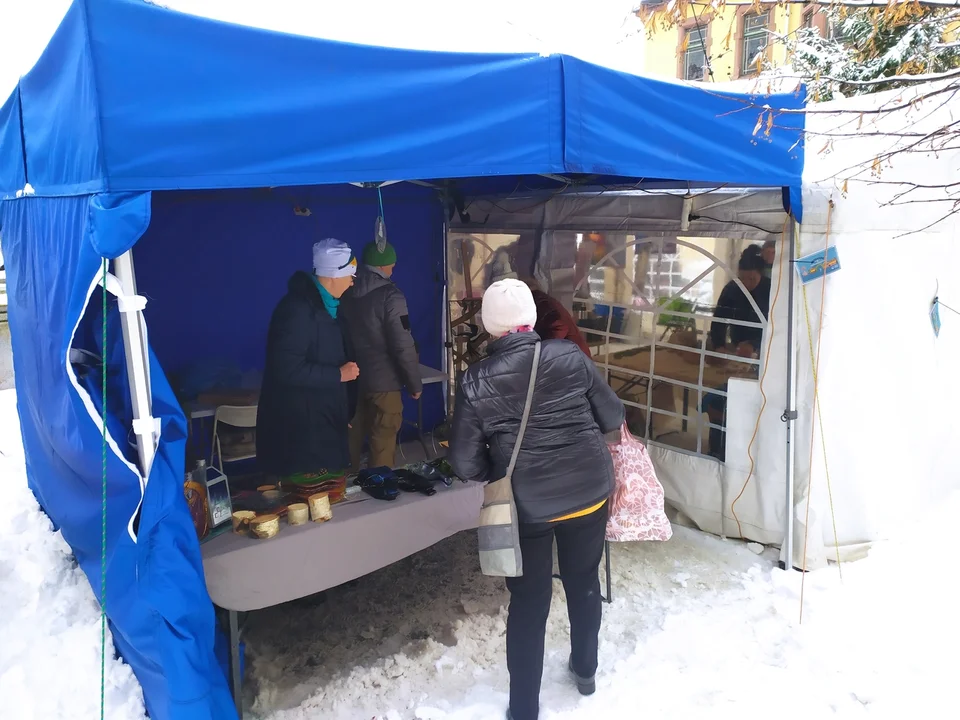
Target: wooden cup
(320,510)
(241,521)
(265,526)
(298,513)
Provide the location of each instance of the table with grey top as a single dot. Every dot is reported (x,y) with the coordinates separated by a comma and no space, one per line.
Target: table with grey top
(365,534)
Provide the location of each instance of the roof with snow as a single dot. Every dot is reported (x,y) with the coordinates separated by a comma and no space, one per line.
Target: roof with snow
(131,96)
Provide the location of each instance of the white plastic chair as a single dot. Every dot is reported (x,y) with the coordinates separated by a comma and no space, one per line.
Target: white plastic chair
(234,416)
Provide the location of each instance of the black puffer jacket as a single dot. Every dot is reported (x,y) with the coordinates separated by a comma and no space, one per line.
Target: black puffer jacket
(304,408)
(564,465)
(375,312)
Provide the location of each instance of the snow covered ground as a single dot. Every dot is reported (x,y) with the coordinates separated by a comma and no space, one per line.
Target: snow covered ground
(699,627)
(49,617)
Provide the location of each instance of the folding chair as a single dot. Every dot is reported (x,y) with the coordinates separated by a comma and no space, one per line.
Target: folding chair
(233,416)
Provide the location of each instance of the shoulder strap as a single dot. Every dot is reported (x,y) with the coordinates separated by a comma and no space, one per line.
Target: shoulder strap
(526,409)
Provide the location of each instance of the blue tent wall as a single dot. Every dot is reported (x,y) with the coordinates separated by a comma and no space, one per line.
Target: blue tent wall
(214,265)
(11,147)
(163,623)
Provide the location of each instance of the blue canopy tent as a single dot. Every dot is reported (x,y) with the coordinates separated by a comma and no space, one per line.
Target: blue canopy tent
(132,109)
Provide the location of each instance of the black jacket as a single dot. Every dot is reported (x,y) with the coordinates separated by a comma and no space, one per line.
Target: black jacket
(734,305)
(304,408)
(564,465)
(375,312)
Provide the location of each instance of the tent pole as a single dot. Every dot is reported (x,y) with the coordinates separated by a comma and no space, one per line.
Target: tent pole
(135,349)
(790,413)
(445,359)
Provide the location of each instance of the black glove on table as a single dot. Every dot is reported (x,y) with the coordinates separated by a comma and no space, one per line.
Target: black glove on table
(379,483)
(411,482)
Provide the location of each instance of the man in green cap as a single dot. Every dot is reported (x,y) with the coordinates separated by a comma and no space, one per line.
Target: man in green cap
(376,315)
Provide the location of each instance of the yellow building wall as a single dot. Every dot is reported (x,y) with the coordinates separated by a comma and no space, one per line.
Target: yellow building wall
(663,45)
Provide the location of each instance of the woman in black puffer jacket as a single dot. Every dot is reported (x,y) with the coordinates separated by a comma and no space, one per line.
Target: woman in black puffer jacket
(563,478)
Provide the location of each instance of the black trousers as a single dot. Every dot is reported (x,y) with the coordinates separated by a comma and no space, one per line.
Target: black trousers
(579,549)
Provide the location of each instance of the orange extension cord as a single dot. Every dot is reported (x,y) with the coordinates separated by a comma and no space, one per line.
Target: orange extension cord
(763,375)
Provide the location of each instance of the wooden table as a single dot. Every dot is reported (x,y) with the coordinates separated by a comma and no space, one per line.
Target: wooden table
(674,366)
(428,376)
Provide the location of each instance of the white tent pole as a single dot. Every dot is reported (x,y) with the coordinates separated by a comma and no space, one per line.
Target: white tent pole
(135,349)
(790,413)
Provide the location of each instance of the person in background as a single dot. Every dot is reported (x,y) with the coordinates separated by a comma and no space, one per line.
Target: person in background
(375,311)
(735,305)
(737,340)
(309,394)
(715,406)
(561,483)
(554,322)
(769,255)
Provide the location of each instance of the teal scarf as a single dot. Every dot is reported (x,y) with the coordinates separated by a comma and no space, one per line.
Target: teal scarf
(329,301)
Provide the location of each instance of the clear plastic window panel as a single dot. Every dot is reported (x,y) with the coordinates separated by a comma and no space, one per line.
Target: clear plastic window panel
(645,306)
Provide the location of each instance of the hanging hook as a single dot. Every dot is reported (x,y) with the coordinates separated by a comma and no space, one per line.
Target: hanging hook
(380,232)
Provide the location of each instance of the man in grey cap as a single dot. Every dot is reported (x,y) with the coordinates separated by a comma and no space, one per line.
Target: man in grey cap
(375,311)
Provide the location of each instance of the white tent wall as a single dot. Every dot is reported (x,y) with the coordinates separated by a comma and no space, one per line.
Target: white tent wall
(888,388)
(887,392)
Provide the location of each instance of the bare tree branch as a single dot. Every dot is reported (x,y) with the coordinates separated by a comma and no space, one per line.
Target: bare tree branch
(931,225)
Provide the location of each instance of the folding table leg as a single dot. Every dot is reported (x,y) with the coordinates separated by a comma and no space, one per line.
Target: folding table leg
(236,682)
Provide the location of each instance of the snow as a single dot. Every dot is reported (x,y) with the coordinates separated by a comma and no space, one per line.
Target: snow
(49,617)
(698,626)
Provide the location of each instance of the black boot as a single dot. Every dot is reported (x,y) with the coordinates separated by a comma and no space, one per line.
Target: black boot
(586,686)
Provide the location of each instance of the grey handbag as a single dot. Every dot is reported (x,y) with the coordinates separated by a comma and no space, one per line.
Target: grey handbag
(499,527)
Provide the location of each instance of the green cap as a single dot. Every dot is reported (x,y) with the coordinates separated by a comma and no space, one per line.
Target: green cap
(375,258)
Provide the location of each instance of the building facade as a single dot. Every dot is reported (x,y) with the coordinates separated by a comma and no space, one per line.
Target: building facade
(696,41)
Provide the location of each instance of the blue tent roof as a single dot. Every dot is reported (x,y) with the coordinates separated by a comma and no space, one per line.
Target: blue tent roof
(115,105)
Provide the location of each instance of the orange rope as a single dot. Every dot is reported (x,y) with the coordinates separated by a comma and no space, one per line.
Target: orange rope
(818,417)
(763,375)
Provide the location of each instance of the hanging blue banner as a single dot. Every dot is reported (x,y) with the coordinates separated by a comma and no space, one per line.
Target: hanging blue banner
(818,264)
(935,316)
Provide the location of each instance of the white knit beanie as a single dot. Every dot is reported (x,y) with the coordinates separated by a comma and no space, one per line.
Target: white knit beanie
(508,305)
(333,258)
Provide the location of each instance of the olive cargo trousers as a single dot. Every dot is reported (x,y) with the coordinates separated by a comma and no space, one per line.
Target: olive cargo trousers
(378,419)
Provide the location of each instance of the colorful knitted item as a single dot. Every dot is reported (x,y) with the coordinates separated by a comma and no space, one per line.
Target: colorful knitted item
(306,484)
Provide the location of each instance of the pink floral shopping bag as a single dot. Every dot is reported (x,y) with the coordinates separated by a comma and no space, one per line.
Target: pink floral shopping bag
(636,508)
